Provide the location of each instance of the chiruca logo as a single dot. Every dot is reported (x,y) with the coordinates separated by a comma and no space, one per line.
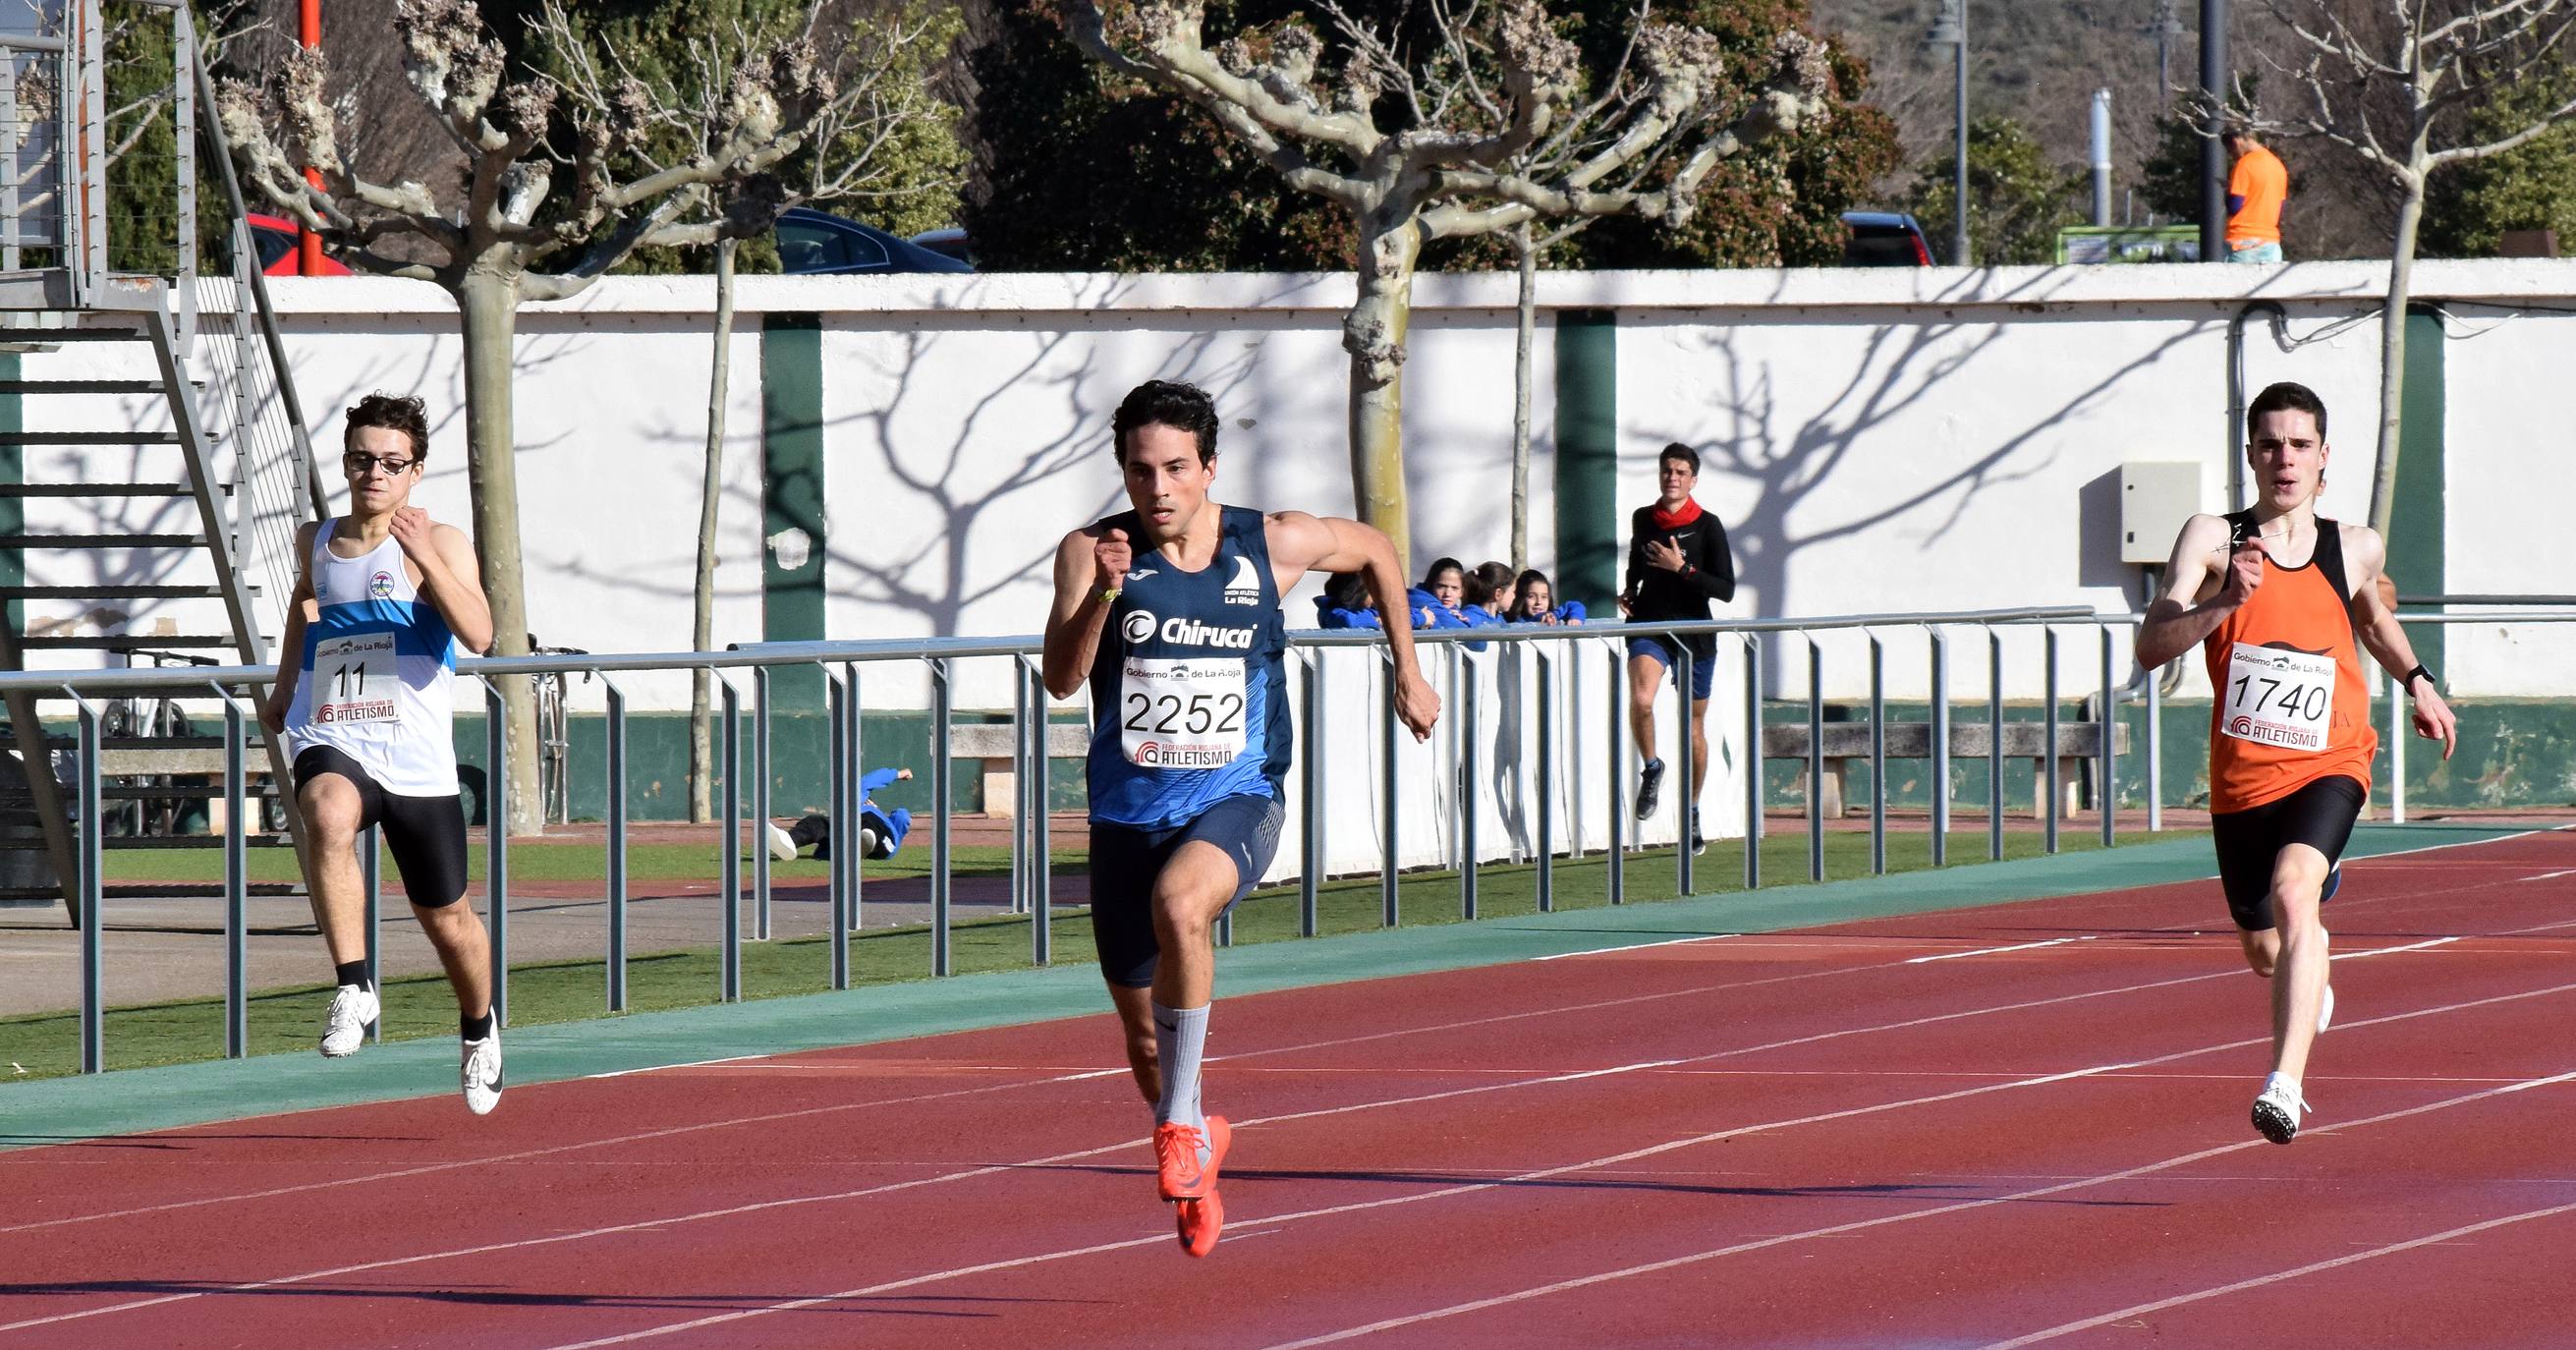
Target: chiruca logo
(1181,628)
(1139,626)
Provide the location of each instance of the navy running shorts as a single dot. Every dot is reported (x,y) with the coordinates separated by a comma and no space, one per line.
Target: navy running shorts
(1663,650)
(426,835)
(1127,862)
(2319,815)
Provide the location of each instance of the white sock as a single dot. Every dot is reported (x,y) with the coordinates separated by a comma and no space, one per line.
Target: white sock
(1181,1034)
(2283,1080)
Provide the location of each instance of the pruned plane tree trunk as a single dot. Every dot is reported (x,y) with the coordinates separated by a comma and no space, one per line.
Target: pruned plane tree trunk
(513,236)
(1494,124)
(2393,90)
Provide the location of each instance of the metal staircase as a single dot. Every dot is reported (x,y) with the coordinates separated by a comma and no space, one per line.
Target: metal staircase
(163,460)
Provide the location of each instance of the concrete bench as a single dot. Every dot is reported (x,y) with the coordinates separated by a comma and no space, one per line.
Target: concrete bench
(990,742)
(2078,744)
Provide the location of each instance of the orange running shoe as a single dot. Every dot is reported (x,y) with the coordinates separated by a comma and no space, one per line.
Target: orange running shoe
(1176,1157)
(1200,1221)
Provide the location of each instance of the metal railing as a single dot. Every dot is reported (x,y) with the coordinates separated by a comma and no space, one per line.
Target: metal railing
(1556,654)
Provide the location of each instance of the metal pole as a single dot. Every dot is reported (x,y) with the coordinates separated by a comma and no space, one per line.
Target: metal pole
(1815,760)
(760,803)
(2397,706)
(1544,658)
(1753,785)
(845,822)
(2155,752)
(93,894)
(1940,746)
(1469,732)
(236,884)
(1959,163)
(1391,910)
(1042,882)
(1310,792)
(942,694)
(1994,745)
(858,721)
(2101,146)
(2110,794)
(1684,790)
(2048,742)
(616,845)
(1019,794)
(1877,757)
(729,848)
(496,845)
(1618,856)
(371,866)
(2213,156)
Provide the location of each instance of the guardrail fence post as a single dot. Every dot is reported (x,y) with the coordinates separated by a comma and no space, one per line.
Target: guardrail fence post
(236,879)
(1390,902)
(1877,757)
(1685,750)
(2399,704)
(1617,857)
(93,893)
(616,845)
(852,761)
(729,848)
(1033,814)
(1019,793)
(2049,800)
(942,696)
(496,845)
(844,833)
(2110,766)
(1310,790)
(1994,744)
(1815,759)
(1465,680)
(1544,660)
(1940,644)
(2155,751)
(371,867)
(759,842)
(1753,771)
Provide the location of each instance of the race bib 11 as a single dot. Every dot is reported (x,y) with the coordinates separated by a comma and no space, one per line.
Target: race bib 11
(1181,714)
(2276,696)
(353,679)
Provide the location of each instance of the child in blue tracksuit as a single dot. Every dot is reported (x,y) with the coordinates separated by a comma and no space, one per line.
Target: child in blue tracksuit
(881,831)
(1533,602)
(1345,603)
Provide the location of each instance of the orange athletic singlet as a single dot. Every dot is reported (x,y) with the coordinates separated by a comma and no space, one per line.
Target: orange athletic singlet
(2291,707)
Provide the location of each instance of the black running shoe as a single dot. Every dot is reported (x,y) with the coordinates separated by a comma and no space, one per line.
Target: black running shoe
(1699,842)
(1650,784)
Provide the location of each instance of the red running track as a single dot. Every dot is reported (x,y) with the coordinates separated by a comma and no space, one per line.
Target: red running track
(1880,1135)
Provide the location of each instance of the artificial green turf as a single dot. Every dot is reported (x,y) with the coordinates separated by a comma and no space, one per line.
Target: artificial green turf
(47,1044)
(556,862)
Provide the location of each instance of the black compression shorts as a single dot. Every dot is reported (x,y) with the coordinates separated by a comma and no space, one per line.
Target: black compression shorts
(2319,815)
(1126,862)
(426,835)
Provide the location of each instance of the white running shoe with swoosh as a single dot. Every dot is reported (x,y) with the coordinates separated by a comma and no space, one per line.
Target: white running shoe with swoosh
(481,1073)
(344,1029)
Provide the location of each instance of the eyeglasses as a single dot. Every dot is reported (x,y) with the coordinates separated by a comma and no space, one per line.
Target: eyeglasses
(358,463)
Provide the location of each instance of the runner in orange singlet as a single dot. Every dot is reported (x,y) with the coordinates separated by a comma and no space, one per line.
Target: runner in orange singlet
(2281,602)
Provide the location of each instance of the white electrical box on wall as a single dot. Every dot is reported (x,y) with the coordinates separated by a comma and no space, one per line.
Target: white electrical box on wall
(2156,497)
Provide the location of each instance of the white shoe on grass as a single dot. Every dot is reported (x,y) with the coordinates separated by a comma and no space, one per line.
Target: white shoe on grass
(481,1073)
(781,846)
(353,1011)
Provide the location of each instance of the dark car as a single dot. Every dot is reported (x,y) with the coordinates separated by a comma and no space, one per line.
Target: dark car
(951,242)
(1884,239)
(275,238)
(812,242)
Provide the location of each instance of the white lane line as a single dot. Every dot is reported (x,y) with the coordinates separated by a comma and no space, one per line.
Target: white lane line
(2276,1277)
(1881,1221)
(657,1068)
(2384,951)
(1634,947)
(1998,951)
(2552,876)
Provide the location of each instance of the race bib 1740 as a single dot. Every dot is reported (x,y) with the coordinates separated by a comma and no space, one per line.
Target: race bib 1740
(2276,696)
(353,679)
(1181,714)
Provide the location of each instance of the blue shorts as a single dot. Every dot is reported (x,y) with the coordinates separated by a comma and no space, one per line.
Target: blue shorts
(1127,862)
(1666,652)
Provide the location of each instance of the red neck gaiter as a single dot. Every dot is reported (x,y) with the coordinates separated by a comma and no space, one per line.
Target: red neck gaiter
(1674,520)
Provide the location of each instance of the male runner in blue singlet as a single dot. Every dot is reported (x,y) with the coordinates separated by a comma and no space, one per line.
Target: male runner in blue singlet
(1171,612)
(364,697)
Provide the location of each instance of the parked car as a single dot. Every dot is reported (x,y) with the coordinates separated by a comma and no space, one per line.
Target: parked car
(1884,239)
(275,238)
(951,243)
(814,242)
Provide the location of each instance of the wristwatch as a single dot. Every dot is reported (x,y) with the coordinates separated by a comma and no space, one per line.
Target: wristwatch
(2408,683)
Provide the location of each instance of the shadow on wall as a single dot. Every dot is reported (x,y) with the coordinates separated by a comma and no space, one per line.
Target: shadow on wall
(1799,471)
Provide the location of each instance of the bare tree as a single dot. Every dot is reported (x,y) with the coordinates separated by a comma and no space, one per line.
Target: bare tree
(1434,147)
(886,138)
(2392,88)
(491,250)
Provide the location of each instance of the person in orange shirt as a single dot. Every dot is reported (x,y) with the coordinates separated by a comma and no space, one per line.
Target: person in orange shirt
(2281,600)
(2256,189)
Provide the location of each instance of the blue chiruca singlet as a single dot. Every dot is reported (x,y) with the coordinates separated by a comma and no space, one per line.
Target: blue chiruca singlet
(1189,694)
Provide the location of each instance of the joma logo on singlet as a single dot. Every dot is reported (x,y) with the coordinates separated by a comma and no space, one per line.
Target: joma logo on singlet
(1181,628)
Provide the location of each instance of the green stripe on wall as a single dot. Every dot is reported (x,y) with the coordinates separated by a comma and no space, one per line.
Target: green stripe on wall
(1587,457)
(2415,524)
(791,496)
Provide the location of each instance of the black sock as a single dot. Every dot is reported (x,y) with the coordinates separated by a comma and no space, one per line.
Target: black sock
(476,1028)
(353,972)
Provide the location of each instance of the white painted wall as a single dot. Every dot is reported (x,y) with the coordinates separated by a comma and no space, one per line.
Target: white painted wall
(1877,441)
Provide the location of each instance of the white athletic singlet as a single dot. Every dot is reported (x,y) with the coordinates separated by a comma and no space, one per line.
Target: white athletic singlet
(379,669)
